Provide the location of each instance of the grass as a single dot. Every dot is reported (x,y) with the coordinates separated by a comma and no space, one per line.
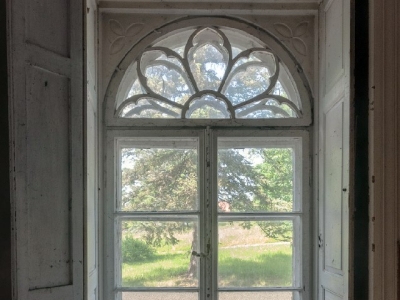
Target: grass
(165,270)
(250,259)
(253,266)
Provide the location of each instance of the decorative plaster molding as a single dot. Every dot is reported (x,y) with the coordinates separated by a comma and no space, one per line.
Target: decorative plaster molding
(294,35)
(118,43)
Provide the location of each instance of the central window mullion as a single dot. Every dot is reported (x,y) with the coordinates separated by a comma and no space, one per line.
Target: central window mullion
(208,275)
(213,191)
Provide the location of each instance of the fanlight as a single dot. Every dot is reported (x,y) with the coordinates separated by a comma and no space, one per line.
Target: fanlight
(211,76)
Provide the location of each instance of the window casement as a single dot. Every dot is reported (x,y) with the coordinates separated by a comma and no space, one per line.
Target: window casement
(208,171)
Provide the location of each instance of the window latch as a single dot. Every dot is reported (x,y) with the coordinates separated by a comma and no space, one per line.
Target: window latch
(200,254)
(197,254)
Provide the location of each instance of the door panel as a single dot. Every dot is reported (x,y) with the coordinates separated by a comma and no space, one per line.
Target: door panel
(46,75)
(334,130)
(48,179)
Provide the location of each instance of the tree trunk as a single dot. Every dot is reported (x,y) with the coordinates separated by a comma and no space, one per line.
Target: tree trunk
(193,271)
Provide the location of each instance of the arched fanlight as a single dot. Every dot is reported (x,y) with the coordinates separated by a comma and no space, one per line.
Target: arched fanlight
(214,73)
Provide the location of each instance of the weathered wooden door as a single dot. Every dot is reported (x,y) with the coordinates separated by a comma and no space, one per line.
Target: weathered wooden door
(47,112)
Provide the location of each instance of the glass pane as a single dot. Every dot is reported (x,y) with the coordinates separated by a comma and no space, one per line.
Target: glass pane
(255,296)
(255,254)
(255,179)
(159,179)
(150,108)
(208,67)
(285,86)
(265,109)
(168,81)
(250,76)
(247,84)
(208,107)
(176,41)
(135,89)
(158,253)
(238,42)
(159,296)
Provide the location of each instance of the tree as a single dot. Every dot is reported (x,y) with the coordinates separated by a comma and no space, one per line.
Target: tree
(166,180)
(276,182)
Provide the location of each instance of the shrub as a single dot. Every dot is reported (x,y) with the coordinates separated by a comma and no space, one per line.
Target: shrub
(134,250)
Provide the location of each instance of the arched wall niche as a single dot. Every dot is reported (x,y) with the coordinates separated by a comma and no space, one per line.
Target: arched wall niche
(178,32)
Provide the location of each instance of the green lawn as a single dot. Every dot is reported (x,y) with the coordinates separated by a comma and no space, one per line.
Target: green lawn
(244,263)
(254,266)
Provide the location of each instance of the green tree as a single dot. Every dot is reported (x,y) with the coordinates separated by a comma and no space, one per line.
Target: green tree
(276,178)
(167,180)
(276,184)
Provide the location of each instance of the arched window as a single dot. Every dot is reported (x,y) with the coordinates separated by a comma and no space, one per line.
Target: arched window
(209,73)
(207,134)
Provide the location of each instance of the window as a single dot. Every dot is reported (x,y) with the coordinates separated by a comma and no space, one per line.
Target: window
(206,197)
(207,78)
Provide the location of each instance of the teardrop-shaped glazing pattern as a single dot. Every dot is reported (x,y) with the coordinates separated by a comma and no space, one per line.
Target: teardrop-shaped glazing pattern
(208,57)
(208,66)
(164,75)
(167,83)
(248,81)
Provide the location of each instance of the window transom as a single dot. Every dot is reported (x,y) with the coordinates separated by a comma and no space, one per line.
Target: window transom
(208,73)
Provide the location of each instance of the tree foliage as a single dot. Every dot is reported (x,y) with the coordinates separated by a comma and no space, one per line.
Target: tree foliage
(134,250)
(167,180)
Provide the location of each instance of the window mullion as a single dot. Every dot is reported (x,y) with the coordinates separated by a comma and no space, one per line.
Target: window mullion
(205,216)
(213,207)
(209,280)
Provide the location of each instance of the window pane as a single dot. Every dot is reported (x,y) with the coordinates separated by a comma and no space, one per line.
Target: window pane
(159,296)
(255,254)
(158,254)
(207,107)
(208,64)
(150,108)
(255,179)
(159,179)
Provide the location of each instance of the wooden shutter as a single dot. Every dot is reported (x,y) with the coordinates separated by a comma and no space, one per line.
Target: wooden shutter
(47,109)
(334,145)
(92,237)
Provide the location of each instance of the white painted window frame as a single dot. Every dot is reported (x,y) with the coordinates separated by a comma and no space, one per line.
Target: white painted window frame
(124,128)
(207,151)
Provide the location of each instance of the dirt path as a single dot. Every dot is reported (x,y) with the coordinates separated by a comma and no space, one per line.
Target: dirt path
(256,245)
